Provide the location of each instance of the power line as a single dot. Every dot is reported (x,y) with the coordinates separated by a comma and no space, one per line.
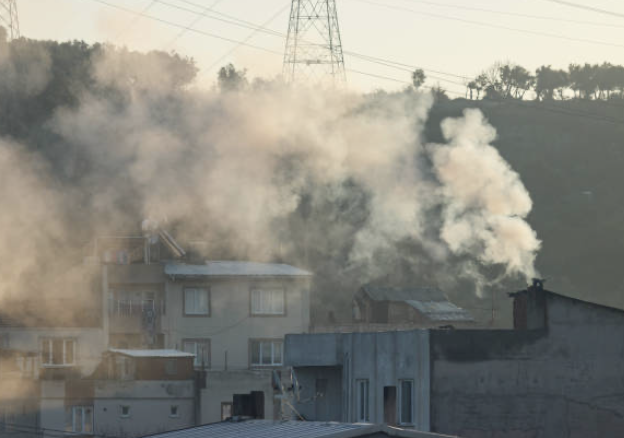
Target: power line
(263,28)
(134,21)
(194,22)
(170,23)
(587,8)
(514,101)
(515,14)
(494,26)
(250,36)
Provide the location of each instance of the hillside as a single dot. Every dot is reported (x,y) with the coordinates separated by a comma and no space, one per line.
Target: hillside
(573,168)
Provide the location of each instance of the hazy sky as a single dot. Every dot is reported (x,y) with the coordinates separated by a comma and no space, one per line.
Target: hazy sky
(433,34)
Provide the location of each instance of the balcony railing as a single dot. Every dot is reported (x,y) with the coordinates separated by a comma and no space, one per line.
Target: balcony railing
(135,308)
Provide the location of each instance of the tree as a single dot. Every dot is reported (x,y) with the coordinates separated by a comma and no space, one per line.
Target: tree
(231,79)
(549,81)
(583,80)
(418,78)
(439,93)
(470,87)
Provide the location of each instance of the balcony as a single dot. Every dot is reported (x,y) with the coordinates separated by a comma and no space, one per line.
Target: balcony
(135,316)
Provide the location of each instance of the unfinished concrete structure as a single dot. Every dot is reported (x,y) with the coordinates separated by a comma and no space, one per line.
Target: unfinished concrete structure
(362,377)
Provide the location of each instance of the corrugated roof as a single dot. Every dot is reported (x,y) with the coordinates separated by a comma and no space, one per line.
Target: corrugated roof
(235,269)
(441,310)
(404,293)
(266,429)
(428,300)
(151,353)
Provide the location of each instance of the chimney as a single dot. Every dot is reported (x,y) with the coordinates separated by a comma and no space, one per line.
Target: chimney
(529,307)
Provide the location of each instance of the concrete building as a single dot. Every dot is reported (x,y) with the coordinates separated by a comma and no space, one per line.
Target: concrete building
(234,317)
(231,315)
(362,377)
(557,374)
(132,393)
(380,309)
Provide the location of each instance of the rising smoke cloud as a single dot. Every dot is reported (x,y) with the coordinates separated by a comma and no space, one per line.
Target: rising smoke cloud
(237,168)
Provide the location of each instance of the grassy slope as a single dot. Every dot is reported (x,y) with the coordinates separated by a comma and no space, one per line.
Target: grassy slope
(574,169)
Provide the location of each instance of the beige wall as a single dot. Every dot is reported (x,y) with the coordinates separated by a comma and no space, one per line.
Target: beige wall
(230,325)
(90,343)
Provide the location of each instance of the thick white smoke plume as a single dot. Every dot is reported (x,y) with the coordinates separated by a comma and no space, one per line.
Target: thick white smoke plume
(485,203)
(236,170)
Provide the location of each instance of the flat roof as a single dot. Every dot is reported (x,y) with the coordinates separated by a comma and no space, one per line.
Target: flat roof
(234,269)
(151,353)
(292,429)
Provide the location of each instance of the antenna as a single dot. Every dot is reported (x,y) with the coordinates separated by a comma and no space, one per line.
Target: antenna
(8,18)
(313,46)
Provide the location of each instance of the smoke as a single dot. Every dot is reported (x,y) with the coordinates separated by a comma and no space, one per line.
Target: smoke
(484,202)
(339,183)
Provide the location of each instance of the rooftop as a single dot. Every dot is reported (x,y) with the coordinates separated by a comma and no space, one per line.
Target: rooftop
(429,301)
(234,269)
(151,353)
(290,429)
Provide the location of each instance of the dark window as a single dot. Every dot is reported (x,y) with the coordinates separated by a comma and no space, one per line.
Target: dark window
(174,412)
(390,405)
(406,402)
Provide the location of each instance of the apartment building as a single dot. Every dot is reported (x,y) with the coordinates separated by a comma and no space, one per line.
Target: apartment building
(231,315)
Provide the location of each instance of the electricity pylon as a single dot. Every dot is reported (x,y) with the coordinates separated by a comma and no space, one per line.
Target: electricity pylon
(8,18)
(313,45)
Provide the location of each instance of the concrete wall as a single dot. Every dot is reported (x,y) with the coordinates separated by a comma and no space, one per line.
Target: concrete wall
(90,343)
(230,325)
(382,358)
(565,381)
(222,385)
(149,401)
(150,407)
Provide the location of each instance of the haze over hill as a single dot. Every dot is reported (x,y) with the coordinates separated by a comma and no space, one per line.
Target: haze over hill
(355,188)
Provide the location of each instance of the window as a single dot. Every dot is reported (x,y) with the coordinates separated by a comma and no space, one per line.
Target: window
(82,420)
(174,411)
(226,411)
(200,348)
(267,302)
(58,352)
(196,301)
(363,401)
(406,402)
(124,411)
(266,353)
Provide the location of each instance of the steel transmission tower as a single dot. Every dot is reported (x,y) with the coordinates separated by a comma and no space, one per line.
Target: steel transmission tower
(8,18)
(313,46)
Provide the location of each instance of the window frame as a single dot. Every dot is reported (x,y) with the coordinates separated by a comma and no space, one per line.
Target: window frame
(363,404)
(253,313)
(121,411)
(231,407)
(400,420)
(208,298)
(261,341)
(49,362)
(82,431)
(207,344)
(177,413)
